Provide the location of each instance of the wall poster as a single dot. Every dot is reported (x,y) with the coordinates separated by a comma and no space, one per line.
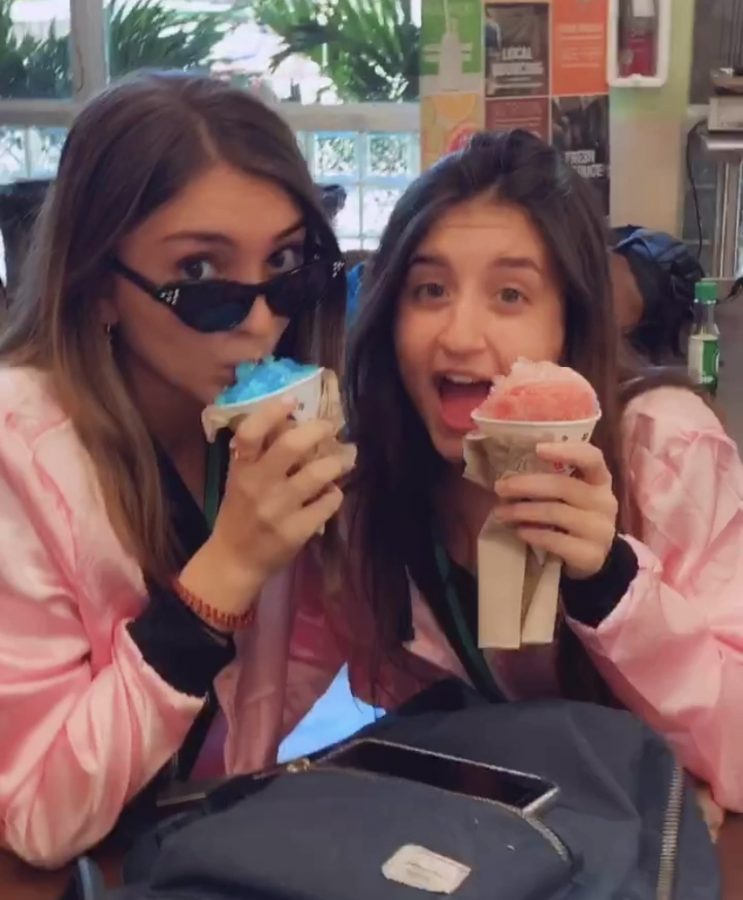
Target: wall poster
(535,65)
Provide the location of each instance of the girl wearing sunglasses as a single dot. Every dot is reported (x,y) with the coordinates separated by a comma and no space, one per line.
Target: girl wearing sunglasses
(146,579)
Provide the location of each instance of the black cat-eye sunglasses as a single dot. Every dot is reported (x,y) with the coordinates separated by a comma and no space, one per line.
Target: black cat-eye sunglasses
(217,305)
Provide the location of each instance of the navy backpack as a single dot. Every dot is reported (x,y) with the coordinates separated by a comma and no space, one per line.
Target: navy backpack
(622,824)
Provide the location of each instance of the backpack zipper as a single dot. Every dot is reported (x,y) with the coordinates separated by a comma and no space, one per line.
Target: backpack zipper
(670,840)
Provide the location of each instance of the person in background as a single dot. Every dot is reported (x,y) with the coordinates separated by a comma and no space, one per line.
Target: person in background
(333,199)
(182,236)
(653,277)
(498,252)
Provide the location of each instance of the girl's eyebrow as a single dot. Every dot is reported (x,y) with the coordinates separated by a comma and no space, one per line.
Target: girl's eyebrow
(205,237)
(427,259)
(500,262)
(216,237)
(517,262)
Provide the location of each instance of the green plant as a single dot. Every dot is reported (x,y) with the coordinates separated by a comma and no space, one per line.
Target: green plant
(147,35)
(367,48)
(31,67)
(143,35)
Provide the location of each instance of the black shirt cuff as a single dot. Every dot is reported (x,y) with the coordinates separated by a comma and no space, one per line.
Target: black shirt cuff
(180,647)
(591,600)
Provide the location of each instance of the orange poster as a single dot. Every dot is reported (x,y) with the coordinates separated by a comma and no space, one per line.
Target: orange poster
(579,32)
(447,123)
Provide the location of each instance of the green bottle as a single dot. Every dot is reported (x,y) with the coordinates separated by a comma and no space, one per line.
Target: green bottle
(704,341)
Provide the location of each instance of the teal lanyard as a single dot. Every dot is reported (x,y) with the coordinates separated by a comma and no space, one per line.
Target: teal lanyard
(472,651)
(213,479)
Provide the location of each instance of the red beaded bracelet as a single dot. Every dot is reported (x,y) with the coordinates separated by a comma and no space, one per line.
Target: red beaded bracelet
(215,617)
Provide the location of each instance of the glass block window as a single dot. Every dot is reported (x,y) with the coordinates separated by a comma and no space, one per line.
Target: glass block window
(373,167)
(29,152)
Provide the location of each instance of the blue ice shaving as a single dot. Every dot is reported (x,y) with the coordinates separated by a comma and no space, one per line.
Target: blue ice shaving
(256,380)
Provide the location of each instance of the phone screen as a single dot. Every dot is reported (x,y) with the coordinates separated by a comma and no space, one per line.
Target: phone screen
(524,792)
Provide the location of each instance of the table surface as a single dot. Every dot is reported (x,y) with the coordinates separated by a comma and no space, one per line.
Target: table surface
(19,882)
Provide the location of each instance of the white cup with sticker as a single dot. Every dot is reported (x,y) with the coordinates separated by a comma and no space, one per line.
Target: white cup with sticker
(306,390)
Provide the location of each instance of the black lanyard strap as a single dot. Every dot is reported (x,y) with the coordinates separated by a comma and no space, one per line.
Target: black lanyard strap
(197,735)
(213,483)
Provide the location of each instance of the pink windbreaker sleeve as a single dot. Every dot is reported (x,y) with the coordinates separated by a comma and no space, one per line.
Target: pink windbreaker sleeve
(84,721)
(672,650)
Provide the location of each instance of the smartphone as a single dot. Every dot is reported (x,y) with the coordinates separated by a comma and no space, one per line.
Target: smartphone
(528,794)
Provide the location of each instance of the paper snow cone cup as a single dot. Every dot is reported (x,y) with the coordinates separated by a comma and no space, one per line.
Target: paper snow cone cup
(501,449)
(310,393)
(509,448)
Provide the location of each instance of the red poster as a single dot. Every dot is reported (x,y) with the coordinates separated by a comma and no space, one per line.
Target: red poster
(530,113)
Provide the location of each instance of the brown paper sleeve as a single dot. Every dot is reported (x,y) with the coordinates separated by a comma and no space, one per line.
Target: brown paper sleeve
(501,561)
(540,601)
(518,589)
(331,407)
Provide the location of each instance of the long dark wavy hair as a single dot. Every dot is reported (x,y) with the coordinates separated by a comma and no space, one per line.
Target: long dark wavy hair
(398,468)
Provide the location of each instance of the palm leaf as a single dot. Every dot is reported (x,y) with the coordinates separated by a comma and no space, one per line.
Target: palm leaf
(144,35)
(147,35)
(368,48)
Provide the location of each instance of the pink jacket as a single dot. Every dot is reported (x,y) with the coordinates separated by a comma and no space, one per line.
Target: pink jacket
(85,722)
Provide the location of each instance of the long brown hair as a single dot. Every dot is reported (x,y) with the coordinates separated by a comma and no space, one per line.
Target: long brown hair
(131,150)
(398,467)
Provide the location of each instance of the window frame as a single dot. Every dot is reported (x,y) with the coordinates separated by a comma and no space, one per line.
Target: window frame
(88,54)
(89,73)
(88,59)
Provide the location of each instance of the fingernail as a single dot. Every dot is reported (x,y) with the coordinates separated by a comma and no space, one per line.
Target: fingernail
(289,401)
